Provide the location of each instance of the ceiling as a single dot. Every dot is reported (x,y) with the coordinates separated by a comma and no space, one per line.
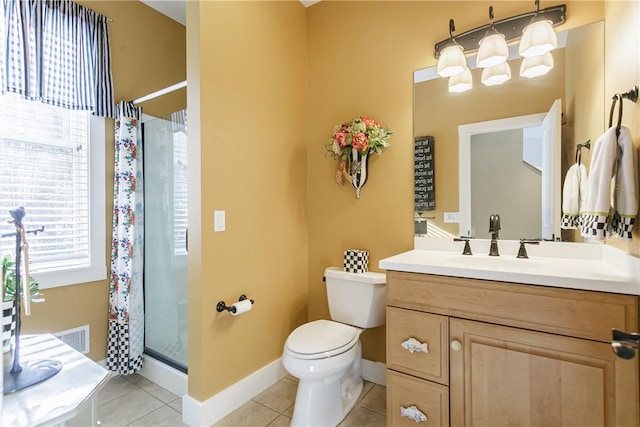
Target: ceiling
(175,9)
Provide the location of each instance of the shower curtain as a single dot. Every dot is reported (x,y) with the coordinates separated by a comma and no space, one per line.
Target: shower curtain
(126,301)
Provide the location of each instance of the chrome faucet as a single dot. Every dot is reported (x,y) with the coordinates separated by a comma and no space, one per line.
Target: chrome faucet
(494,228)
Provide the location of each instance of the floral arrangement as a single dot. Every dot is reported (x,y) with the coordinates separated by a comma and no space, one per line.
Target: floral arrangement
(361,134)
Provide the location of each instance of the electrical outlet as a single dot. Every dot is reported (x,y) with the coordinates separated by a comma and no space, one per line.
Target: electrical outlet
(452,217)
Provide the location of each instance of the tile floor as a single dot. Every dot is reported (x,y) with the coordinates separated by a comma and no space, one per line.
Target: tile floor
(136,401)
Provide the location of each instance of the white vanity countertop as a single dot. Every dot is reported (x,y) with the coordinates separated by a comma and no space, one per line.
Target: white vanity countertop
(59,399)
(593,267)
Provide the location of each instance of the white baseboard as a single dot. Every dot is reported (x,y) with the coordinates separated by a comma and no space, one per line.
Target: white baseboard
(375,372)
(196,413)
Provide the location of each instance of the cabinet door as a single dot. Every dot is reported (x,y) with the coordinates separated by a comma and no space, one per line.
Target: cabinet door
(504,376)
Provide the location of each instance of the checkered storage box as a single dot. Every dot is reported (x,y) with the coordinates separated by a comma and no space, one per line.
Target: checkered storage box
(356,261)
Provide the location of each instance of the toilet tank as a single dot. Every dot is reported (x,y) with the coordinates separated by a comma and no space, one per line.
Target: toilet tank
(357,299)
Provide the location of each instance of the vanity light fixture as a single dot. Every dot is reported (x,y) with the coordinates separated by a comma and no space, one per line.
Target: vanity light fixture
(452,61)
(538,37)
(535,66)
(493,48)
(523,27)
(461,82)
(496,75)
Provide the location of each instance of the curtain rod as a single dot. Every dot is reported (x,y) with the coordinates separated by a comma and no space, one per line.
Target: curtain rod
(160,92)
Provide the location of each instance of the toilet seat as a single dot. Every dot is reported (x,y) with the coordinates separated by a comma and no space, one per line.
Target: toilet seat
(321,339)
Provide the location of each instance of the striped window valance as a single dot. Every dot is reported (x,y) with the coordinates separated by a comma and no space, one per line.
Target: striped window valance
(56,52)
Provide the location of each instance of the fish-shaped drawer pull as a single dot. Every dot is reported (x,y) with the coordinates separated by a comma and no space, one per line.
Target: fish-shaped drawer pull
(415,346)
(413,413)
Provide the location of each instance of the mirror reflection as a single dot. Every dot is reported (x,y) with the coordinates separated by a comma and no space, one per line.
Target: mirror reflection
(498,158)
(577,79)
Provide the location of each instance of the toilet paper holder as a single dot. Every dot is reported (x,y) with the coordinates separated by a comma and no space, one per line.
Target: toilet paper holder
(221,306)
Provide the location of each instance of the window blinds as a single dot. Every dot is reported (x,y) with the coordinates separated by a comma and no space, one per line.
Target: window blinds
(44,157)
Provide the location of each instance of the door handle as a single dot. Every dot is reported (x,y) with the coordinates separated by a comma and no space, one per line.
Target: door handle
(624,343)
(617,335)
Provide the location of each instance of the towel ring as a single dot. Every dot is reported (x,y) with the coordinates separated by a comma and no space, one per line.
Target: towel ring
(617,97)
(631,95)
(579,148)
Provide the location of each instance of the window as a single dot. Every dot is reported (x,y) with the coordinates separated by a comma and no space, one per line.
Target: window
(180,194)
(52,163)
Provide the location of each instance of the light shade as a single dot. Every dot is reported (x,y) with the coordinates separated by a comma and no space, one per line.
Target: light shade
(538,38)
(535,66)
(496,75)
(493,50)
(461,82)
(451,61)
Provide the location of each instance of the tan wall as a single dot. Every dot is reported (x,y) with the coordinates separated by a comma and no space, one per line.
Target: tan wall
(622,71)
(361,59)
(148,53)
(253,123)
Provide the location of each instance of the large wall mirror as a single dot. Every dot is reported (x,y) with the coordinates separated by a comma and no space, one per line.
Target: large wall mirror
(577,80)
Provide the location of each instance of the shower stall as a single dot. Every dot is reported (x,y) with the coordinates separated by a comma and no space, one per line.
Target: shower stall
(166,239)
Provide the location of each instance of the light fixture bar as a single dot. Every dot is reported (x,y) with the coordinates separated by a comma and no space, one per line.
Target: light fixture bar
(510,27)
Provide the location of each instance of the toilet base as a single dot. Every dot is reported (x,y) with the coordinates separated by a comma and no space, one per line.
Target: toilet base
(325,402)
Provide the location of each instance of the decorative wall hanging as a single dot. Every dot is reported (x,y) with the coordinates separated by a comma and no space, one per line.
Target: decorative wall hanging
(423,172)
(351,144)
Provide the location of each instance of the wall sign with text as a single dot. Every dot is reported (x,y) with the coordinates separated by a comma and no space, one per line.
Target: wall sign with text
(424,177)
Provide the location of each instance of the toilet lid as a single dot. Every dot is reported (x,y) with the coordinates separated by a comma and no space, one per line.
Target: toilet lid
(321,336)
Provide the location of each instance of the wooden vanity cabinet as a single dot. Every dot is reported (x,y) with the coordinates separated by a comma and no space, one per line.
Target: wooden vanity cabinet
(503,354)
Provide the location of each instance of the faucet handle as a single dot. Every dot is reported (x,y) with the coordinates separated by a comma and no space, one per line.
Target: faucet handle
(494,223)
(467,246)
(522,252)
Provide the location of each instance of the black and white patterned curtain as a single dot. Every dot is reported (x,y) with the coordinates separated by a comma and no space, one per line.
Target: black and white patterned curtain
(56,52)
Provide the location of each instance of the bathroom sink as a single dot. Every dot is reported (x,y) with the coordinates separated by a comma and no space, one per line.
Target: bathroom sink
(558,264)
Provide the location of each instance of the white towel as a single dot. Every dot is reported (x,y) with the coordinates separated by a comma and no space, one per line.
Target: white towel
(625,202)
(613,157)
(573,193)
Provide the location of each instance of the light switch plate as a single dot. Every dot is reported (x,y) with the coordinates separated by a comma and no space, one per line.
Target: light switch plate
(219,221)
(452,217)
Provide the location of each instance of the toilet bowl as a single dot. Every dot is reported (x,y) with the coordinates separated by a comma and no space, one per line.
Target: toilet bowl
(326,355)
(330,379)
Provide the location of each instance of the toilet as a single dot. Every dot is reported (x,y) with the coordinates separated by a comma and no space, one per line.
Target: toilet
(326,355)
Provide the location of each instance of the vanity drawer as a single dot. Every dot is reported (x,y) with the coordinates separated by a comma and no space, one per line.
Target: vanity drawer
(571,312)
(429,398)
(421,328)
